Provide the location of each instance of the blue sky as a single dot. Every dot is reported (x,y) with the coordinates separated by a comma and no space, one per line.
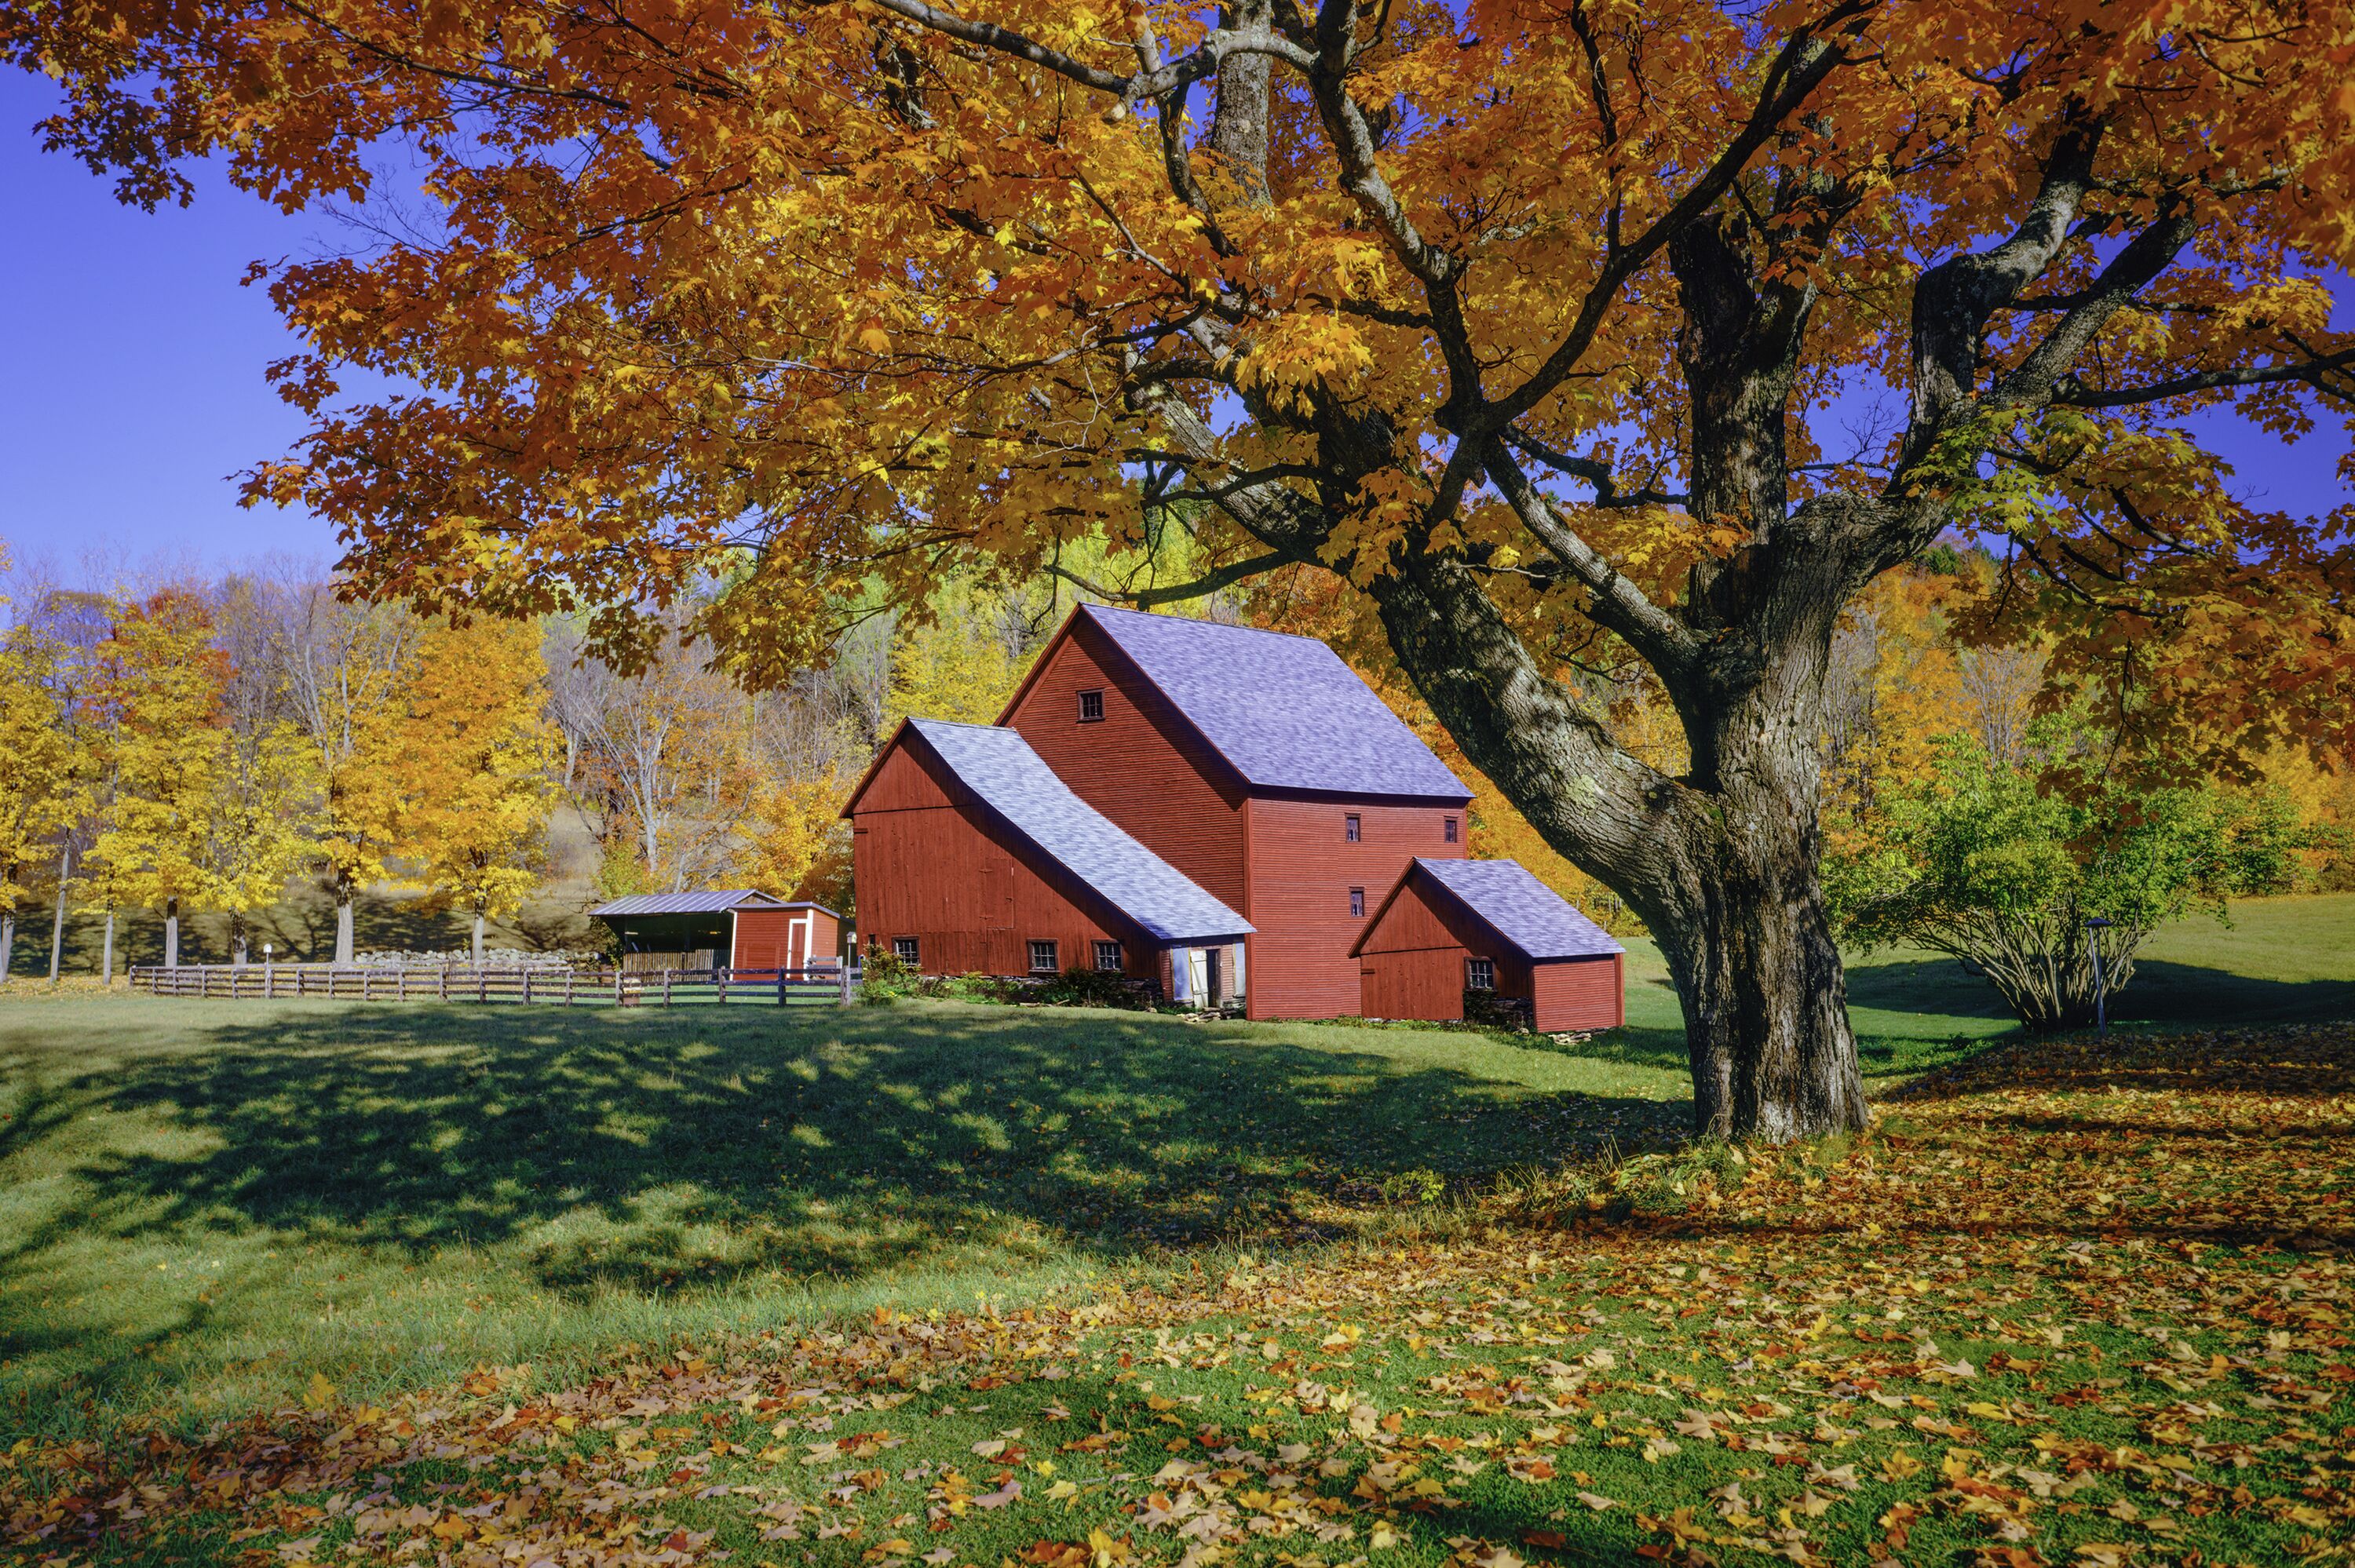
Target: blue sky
(132,385)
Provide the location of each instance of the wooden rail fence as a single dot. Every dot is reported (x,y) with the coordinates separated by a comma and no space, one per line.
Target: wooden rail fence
(546,985)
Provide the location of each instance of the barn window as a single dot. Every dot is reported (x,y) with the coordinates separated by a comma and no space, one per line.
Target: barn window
(1091,707)
(1358,903)
(904,949)
(1108,957)
(1449,831)
(1350,829)
(1042,959)
(1480,974)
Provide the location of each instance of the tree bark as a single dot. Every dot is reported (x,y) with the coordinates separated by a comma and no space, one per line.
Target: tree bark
(478,936)
(106,962)
(7,943)
(345,896)
(1239,118)
(57,925)
(171,933)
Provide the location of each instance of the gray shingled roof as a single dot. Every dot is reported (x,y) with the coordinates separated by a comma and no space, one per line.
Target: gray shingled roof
(1284,710)
(1524,911)
(707,903)
(1015,782)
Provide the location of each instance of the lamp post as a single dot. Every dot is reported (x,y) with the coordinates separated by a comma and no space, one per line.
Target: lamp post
(2095,925)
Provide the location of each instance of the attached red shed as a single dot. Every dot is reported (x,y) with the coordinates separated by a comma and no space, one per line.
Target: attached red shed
(970,856)
(1453,927)
(1258,764)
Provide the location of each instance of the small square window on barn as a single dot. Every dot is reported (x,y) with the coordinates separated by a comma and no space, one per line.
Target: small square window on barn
(1108,957)
(1449,831)
(1091,707)
(904,949)
(1358,903)
(1351,830)
(1480,974)
(1042,959)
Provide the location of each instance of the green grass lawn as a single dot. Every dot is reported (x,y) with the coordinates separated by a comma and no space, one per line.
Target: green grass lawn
(204,1203)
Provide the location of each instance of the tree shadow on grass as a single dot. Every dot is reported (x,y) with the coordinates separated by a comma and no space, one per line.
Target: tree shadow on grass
(686,1150)
(2161,992)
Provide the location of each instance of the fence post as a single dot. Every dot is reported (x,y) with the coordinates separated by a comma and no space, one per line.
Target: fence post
(666,974)
(781,974)
(400,983)
(617,987)
(567,985)
(481,984)
(526,983)
(444,983)
(722,973)
(846,983)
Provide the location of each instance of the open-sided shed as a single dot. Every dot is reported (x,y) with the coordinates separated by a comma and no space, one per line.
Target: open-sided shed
(741,927)
(1454,927)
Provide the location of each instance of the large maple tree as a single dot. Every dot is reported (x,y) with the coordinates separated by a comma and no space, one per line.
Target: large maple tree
(1512,313)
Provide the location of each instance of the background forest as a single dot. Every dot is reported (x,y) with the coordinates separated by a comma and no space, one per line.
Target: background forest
(193,764)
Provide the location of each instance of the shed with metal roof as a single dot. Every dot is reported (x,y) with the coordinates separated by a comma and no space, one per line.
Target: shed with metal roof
(972,856)
(1486,935)
(740,927)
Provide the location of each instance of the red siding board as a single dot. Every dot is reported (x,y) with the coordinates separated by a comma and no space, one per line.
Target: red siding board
(1302,869)
(785,938)
(1580,994)
(934,864)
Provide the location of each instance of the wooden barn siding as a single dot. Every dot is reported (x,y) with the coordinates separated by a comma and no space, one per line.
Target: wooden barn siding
(1302,869)
(1582,993)
(763,935)
(1413,965)
(935,868)
(761,938)
(1141,765)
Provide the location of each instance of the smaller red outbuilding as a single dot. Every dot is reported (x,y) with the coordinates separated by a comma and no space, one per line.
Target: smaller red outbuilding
(739,927)
(1454,927)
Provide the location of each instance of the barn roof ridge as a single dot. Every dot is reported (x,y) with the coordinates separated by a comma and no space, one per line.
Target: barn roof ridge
(1284,710)
(1506,896)
(710,901)
(1015,782)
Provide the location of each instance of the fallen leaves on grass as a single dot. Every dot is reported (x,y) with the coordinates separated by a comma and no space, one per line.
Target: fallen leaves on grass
(2073,1305)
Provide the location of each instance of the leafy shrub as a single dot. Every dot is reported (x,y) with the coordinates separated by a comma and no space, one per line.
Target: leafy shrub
(2003,865)
(884,978)
(1094,988)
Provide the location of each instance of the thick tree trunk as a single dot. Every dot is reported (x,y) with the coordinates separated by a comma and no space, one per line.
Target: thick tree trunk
(1720,863)
(1764,994)
(106,962)
(57,925)
(171,933)
(7,943)
(478,936)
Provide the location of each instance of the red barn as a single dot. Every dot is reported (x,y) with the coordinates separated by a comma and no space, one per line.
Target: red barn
(1455,926)
(970,856)
(1261,767)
